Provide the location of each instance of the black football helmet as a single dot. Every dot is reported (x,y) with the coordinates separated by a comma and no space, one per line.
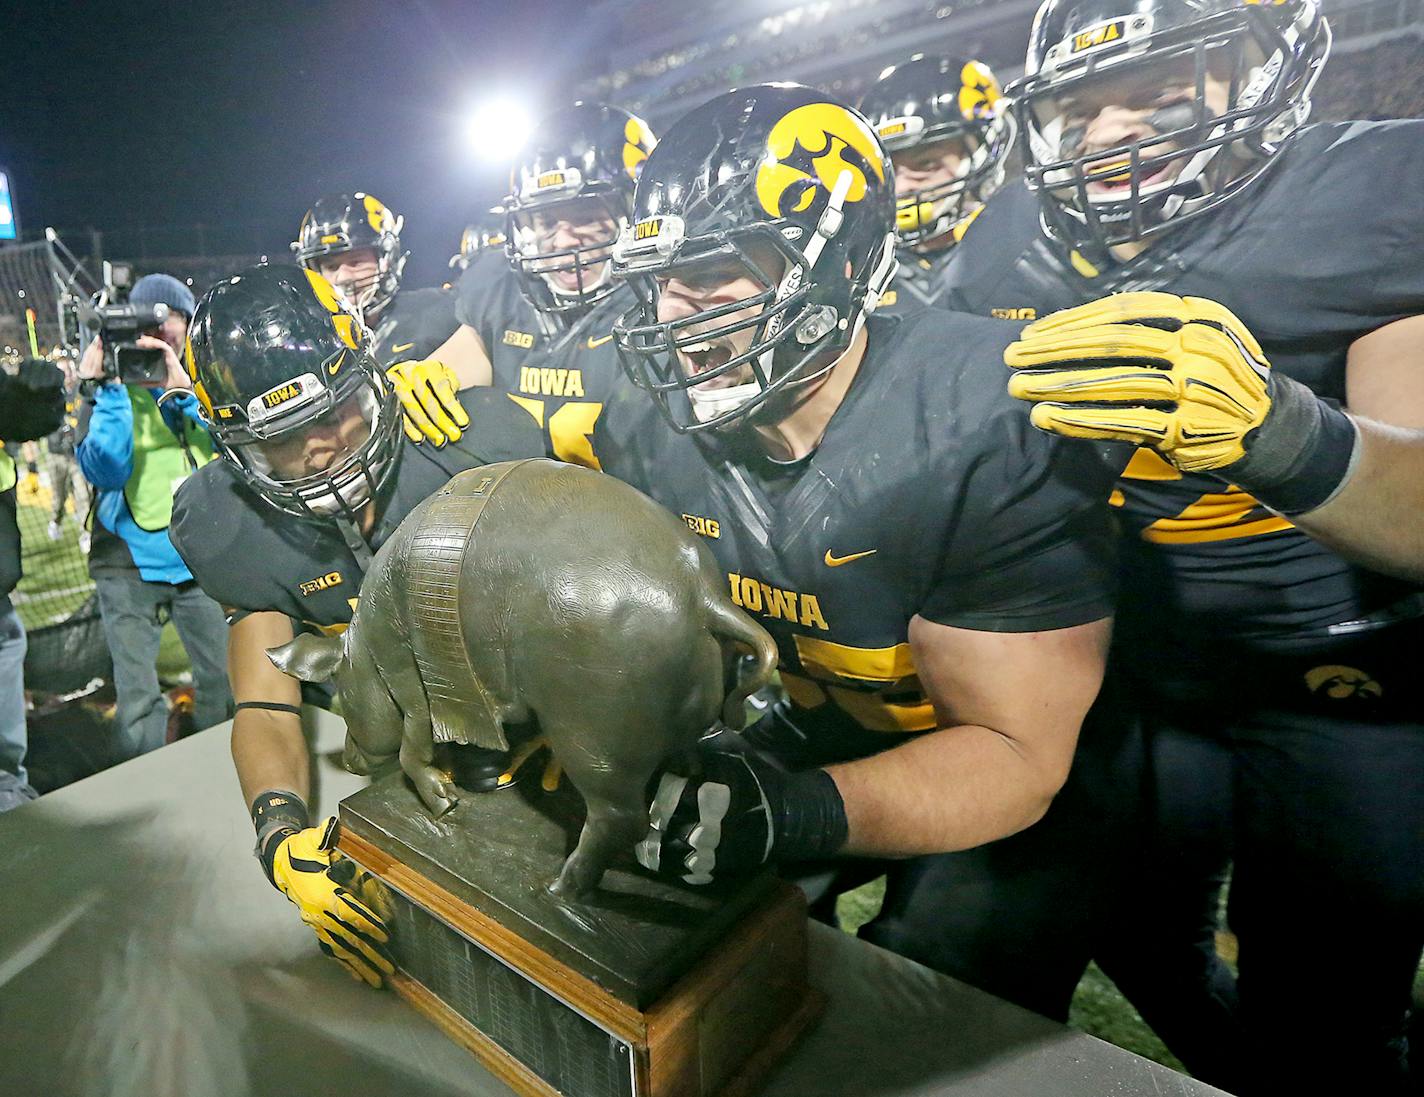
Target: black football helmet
(925,101)
(479,237)
(774,170)
(1250,66)
(283,371)
(345,222)
(590,153)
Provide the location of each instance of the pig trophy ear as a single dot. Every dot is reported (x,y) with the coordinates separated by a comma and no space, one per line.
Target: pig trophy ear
(308,657)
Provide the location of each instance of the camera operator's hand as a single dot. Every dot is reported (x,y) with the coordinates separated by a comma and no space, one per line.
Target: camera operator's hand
(91,362)
(176,376)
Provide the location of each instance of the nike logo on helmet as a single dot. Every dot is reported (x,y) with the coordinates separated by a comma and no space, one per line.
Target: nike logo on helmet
(594,344)
(833,561)
(403,346)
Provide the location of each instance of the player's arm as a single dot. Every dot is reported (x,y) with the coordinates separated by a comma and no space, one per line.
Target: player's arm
(1185,376)
(428,388)
(1010,706)
(268,747)
(465,353)
(270,753)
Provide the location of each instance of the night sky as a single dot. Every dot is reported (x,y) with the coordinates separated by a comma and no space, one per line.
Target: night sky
(239,116)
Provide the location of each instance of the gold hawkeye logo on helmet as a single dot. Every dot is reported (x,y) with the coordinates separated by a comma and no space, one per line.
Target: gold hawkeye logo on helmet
(341,320)
(376,212)
(979,92)
(637,143)
(813,146)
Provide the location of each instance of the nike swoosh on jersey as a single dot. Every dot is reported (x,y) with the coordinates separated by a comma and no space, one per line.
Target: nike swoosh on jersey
(594,344)
(833,561)
(403,346)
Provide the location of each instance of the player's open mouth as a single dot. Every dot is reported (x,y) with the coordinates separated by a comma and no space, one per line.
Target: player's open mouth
(1118,177)
(703,357)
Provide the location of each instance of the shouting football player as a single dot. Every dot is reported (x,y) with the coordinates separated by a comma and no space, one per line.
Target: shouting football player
(1166,150)
(937,581)
(315,476)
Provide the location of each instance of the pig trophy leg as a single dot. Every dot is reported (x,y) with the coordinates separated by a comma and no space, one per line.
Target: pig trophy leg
(608,830)
(417,758)
(617,819)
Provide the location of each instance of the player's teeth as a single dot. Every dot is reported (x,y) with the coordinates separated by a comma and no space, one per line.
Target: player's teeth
(697,348)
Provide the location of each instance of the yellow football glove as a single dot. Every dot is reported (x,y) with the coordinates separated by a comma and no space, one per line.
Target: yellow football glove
(1179,374)
(427,392)
(346,928)
(30,485)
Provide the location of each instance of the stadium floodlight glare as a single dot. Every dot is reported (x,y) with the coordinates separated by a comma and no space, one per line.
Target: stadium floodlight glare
(495,129)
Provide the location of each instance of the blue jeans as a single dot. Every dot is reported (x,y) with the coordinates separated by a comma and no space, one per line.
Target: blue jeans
(13,738)
(133,612)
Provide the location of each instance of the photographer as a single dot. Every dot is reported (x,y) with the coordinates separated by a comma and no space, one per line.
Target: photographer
(137,444)
(31,405)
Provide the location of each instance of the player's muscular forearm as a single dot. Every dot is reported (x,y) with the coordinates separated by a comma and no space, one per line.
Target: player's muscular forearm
(1377,517)
(1012,704)
(952,789)
(465,353)
(268,747)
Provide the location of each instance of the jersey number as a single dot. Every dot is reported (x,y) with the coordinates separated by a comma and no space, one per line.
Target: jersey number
(570,429)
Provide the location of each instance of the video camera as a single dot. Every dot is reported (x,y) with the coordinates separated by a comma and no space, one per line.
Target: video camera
(118,324)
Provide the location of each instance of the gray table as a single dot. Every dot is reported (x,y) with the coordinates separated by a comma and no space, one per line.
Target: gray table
(142,953)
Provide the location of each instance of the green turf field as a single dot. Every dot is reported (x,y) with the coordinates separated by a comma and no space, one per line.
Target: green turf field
(56,579)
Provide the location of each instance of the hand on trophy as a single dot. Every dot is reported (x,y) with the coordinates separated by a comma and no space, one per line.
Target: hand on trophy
(738,813)
(427,392)
(346,929)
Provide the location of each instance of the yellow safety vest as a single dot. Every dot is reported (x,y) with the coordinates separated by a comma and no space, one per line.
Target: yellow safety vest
(159,461)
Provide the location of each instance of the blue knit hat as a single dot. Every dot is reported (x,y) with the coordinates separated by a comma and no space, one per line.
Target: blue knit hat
(163,289)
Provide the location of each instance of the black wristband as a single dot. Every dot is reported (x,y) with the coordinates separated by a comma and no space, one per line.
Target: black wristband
(1301,455)
(267,706)
(276,814)
(810,821)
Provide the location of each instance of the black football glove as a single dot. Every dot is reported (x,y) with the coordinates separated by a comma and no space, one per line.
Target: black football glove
(738,813)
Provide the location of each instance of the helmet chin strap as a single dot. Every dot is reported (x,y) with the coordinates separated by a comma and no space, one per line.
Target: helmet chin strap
(358,545)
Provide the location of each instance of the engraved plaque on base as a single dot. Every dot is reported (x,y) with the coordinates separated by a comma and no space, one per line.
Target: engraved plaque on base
(649,989)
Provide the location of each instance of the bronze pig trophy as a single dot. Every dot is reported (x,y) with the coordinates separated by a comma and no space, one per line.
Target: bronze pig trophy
(534,590)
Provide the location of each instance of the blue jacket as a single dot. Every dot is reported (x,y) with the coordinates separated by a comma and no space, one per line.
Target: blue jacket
(106,458)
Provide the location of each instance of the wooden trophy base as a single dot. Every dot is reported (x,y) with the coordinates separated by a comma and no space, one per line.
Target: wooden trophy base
(648,989)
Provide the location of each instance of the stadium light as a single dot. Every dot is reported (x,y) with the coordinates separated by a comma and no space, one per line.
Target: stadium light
(494,130)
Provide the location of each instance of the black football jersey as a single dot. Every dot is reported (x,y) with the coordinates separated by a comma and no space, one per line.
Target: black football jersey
(1327,246)
(413,325)
(918,283)
(247,555)
(930,494)
(561,375)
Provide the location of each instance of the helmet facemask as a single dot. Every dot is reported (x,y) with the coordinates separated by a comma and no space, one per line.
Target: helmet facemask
(320,451)
(935,211)
(569,278)
(743,356)
(1223,93)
